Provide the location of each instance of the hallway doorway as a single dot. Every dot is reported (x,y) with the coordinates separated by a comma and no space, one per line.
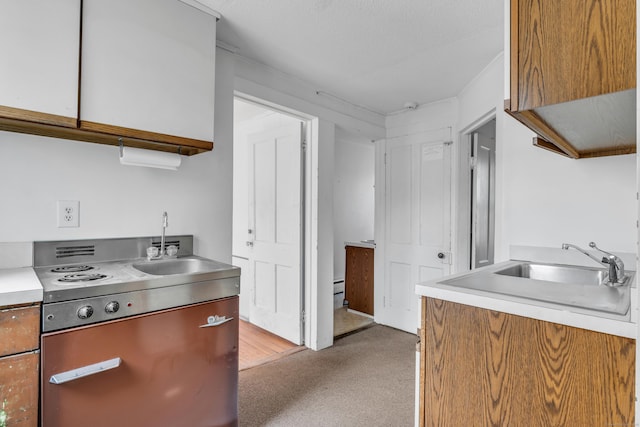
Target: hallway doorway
(268,225)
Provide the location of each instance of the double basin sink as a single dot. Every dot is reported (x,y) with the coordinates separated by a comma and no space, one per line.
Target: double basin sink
(584,288)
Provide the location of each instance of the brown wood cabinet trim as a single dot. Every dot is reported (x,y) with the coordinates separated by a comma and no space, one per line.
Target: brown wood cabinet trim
(37,117)
(513,43)
(423,362)
(74,134)
(535,123)
(543,143)
(610,151)
(145,135)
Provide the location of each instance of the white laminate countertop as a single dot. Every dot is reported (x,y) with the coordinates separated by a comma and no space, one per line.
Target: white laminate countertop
(362,244)
(623,325)
(19,286)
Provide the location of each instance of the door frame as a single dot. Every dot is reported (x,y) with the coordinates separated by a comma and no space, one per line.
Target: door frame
(462,193)
(309,328)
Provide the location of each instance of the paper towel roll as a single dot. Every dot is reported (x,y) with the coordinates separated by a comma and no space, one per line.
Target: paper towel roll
(148,158)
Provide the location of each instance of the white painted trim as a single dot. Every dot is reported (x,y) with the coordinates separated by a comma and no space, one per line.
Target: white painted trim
(461,203)
(202,7)
(379,231)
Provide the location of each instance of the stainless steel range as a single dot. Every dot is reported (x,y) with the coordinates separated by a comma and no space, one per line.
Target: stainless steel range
(89,281)
(128,331)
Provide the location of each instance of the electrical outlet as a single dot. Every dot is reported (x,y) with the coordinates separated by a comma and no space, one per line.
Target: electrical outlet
(68,213)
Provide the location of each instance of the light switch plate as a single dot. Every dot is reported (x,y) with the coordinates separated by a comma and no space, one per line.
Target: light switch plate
(68,213)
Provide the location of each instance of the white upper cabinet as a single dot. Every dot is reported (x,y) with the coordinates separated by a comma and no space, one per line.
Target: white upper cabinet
(148,65)
(39,44)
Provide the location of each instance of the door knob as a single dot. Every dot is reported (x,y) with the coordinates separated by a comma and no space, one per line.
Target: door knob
(441,255)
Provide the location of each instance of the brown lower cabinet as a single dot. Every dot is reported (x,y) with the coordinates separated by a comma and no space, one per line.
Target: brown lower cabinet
(486,368)
(19,365)
(358,283)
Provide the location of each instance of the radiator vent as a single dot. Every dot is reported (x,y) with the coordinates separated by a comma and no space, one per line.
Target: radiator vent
(167,243)
(69,251)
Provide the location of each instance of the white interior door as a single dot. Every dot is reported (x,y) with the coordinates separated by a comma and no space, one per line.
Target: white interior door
(274,233)
(417,229)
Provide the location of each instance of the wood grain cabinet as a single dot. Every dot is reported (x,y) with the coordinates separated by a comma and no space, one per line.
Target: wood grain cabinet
(39,41)
(358,283)
(573,74)
(20,364)
(486,368)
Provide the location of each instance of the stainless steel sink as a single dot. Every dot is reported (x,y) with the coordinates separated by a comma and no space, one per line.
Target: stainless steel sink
(566,285)
(165,267)
(557,273)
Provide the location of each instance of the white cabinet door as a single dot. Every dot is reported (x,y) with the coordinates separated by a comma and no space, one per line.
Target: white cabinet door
(148,65)
(39,41)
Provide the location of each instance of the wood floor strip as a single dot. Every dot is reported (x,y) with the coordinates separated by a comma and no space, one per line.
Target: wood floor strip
(257,346)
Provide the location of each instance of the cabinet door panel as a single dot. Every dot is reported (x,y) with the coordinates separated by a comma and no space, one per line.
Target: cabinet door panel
(19,388)
(39,41)
(359,279)
(482,367)
(149,65)
(19,329)
(571,49)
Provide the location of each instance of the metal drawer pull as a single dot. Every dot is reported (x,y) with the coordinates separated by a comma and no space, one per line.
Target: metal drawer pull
(216,321)
(85,371)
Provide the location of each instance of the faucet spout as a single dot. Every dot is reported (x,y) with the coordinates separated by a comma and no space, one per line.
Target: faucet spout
(152,250)
(165,224)
(613,262)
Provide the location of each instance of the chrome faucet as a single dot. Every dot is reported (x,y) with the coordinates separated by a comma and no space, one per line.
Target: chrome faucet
(165,224)
(615,264)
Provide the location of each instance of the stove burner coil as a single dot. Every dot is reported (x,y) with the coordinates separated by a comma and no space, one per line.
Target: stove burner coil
(81,277)
(71,269)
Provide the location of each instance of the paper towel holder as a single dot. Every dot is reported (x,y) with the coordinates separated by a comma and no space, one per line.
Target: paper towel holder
(149,158)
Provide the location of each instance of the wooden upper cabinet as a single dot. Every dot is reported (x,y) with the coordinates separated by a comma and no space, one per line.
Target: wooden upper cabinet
(573,74)
(571,49)
(148,66)
(39,41)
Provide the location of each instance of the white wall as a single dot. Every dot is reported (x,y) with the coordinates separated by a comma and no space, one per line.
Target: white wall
(115,200)
(544,199)
(353,196)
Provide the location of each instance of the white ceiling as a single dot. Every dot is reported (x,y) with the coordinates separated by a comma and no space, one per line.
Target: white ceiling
(379,54)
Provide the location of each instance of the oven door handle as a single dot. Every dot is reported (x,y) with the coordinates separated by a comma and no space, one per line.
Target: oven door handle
(85,371)
(216,321)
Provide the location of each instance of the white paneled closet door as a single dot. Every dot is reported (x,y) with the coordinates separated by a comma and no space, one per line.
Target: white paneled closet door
(417,241)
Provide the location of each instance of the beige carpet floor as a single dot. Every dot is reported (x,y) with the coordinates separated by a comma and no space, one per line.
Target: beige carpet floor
(365,379)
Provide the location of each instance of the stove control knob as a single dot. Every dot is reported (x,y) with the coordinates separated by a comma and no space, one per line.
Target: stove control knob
(112,307)
(85,312)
